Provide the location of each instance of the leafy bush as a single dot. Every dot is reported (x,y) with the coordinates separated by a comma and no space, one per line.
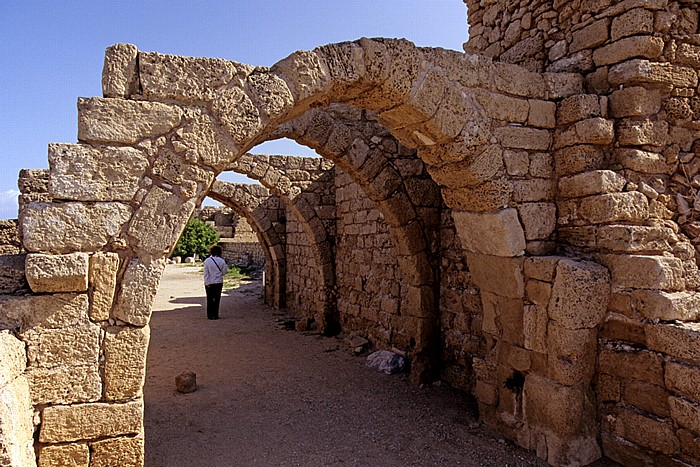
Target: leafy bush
(197,237)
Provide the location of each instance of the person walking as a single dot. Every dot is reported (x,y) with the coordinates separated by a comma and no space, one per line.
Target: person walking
(214,270)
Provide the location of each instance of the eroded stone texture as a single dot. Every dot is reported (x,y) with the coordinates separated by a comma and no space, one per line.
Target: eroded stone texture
(126,451)
(90,421)
(102,284)
(125,362)
(580,294)
(120,76)
(57,273)
(497,234)
(138,289)
(16,428)
(83,173)
(82,227)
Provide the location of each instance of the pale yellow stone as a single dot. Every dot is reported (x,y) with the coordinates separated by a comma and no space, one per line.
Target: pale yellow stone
(124,452)
(539,220)
(499,233)
(37,312)
(51,348)
(138,289)
(125,362)
(90,421)
(518,137)
(589,183)
(103,283)
(640,71)
(13,359)
(498,275)
(120,73)
(634,101)
(67,383)
(69,455)
(57,273)
(629,47)
(683,379)
(644,272)
(16,427)
(580,294)
(680,340)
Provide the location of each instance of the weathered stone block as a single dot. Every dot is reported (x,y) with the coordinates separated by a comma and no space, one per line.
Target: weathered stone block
(580,294)
(542,114)
(517,162)
(14,358)
(118,451)
(633,22)
(560,409)
(43,311)
(612,207)
(635,365)
(629,47)
(65,384)
(124,121)
(503,317)
(683,379)
(73,454)
(535,328)
(642,133)
(519,137)
(500,107)
(159,221)
(618,327)
(596,130)
(624,452)
(677,340)
(580,158)
(81,172)
(519,81)
(138,289)
(644,272)
(685,413)
(634,101)
(50,348)
(559,85)
(654,434)
(502,276)
(103,282)
(635,238)
(668,306)
(57,273)
(125,362)
(539,220)
(643,161)
(535,189)
(12,278)
(90,421)
(648,397)
(591,183)
(82,227)
(590,36)
(640,71)
(499,234)
(120,76)
(572,354)
(16,427)
(688,54)
(579,107)
(541,267)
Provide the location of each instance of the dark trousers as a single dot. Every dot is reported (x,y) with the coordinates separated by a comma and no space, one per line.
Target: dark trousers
(213,300)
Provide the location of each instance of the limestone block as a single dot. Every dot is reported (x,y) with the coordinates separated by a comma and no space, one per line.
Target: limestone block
(519,137)
(14,359)
(124,121)
(513,79)
(269,92)
(65,384)
(648,397)
(539,220)
(33,181)
(571,354)
(517,162)
(560,85)
(189,79)
(542,114)
(634,365)
(688,54)
(683,379)
(595,130)
(636,21)
(498,275)
(489,196)
(534,189)
(635,238)
(580,294)
(43,311)
(640,71)
(538,292)
(634,101)
(81,227)
(57,273)
(643,161)
(579,107)
(498,234)
(641,133)
(138,289)
(644,272)
(16,427)
(580,158)
(541,268)
(591,183)
(667,306)
(175,170)
(12,278)
(90,421)
(563,410)
(125,362)
(120,76)
(159,221)
(67,347)
(677,340)
(73,454)
(629,47)
(591,36)
(202,137)
(658,435)
(503,317)
(118,451)
(535,328)
(501,107)
(618,327)
(81,172)
(685,413)
(613,207)
(103,282)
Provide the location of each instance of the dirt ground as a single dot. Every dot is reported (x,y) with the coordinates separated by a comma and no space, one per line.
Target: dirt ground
(268,396)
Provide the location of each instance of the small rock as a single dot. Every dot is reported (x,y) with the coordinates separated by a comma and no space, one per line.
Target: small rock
(186,382)
(386,361)
(189,260)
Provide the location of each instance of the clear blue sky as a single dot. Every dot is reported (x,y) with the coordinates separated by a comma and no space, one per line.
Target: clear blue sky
(51,52)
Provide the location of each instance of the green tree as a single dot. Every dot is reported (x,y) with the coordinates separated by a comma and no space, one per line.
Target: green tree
(197,237)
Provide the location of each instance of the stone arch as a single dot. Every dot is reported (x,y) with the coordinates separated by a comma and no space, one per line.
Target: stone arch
(261,210)
(289,178)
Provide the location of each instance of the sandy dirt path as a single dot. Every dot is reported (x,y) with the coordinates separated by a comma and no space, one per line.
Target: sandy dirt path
(268,396)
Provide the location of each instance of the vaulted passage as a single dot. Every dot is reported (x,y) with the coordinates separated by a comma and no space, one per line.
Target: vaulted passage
(525,233)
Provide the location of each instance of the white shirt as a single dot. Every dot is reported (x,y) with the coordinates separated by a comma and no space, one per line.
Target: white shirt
(214,270)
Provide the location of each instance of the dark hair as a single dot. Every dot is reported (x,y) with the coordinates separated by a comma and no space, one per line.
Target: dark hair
(216,250)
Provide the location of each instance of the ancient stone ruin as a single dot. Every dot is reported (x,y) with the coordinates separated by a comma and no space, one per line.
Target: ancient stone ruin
(520,221)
